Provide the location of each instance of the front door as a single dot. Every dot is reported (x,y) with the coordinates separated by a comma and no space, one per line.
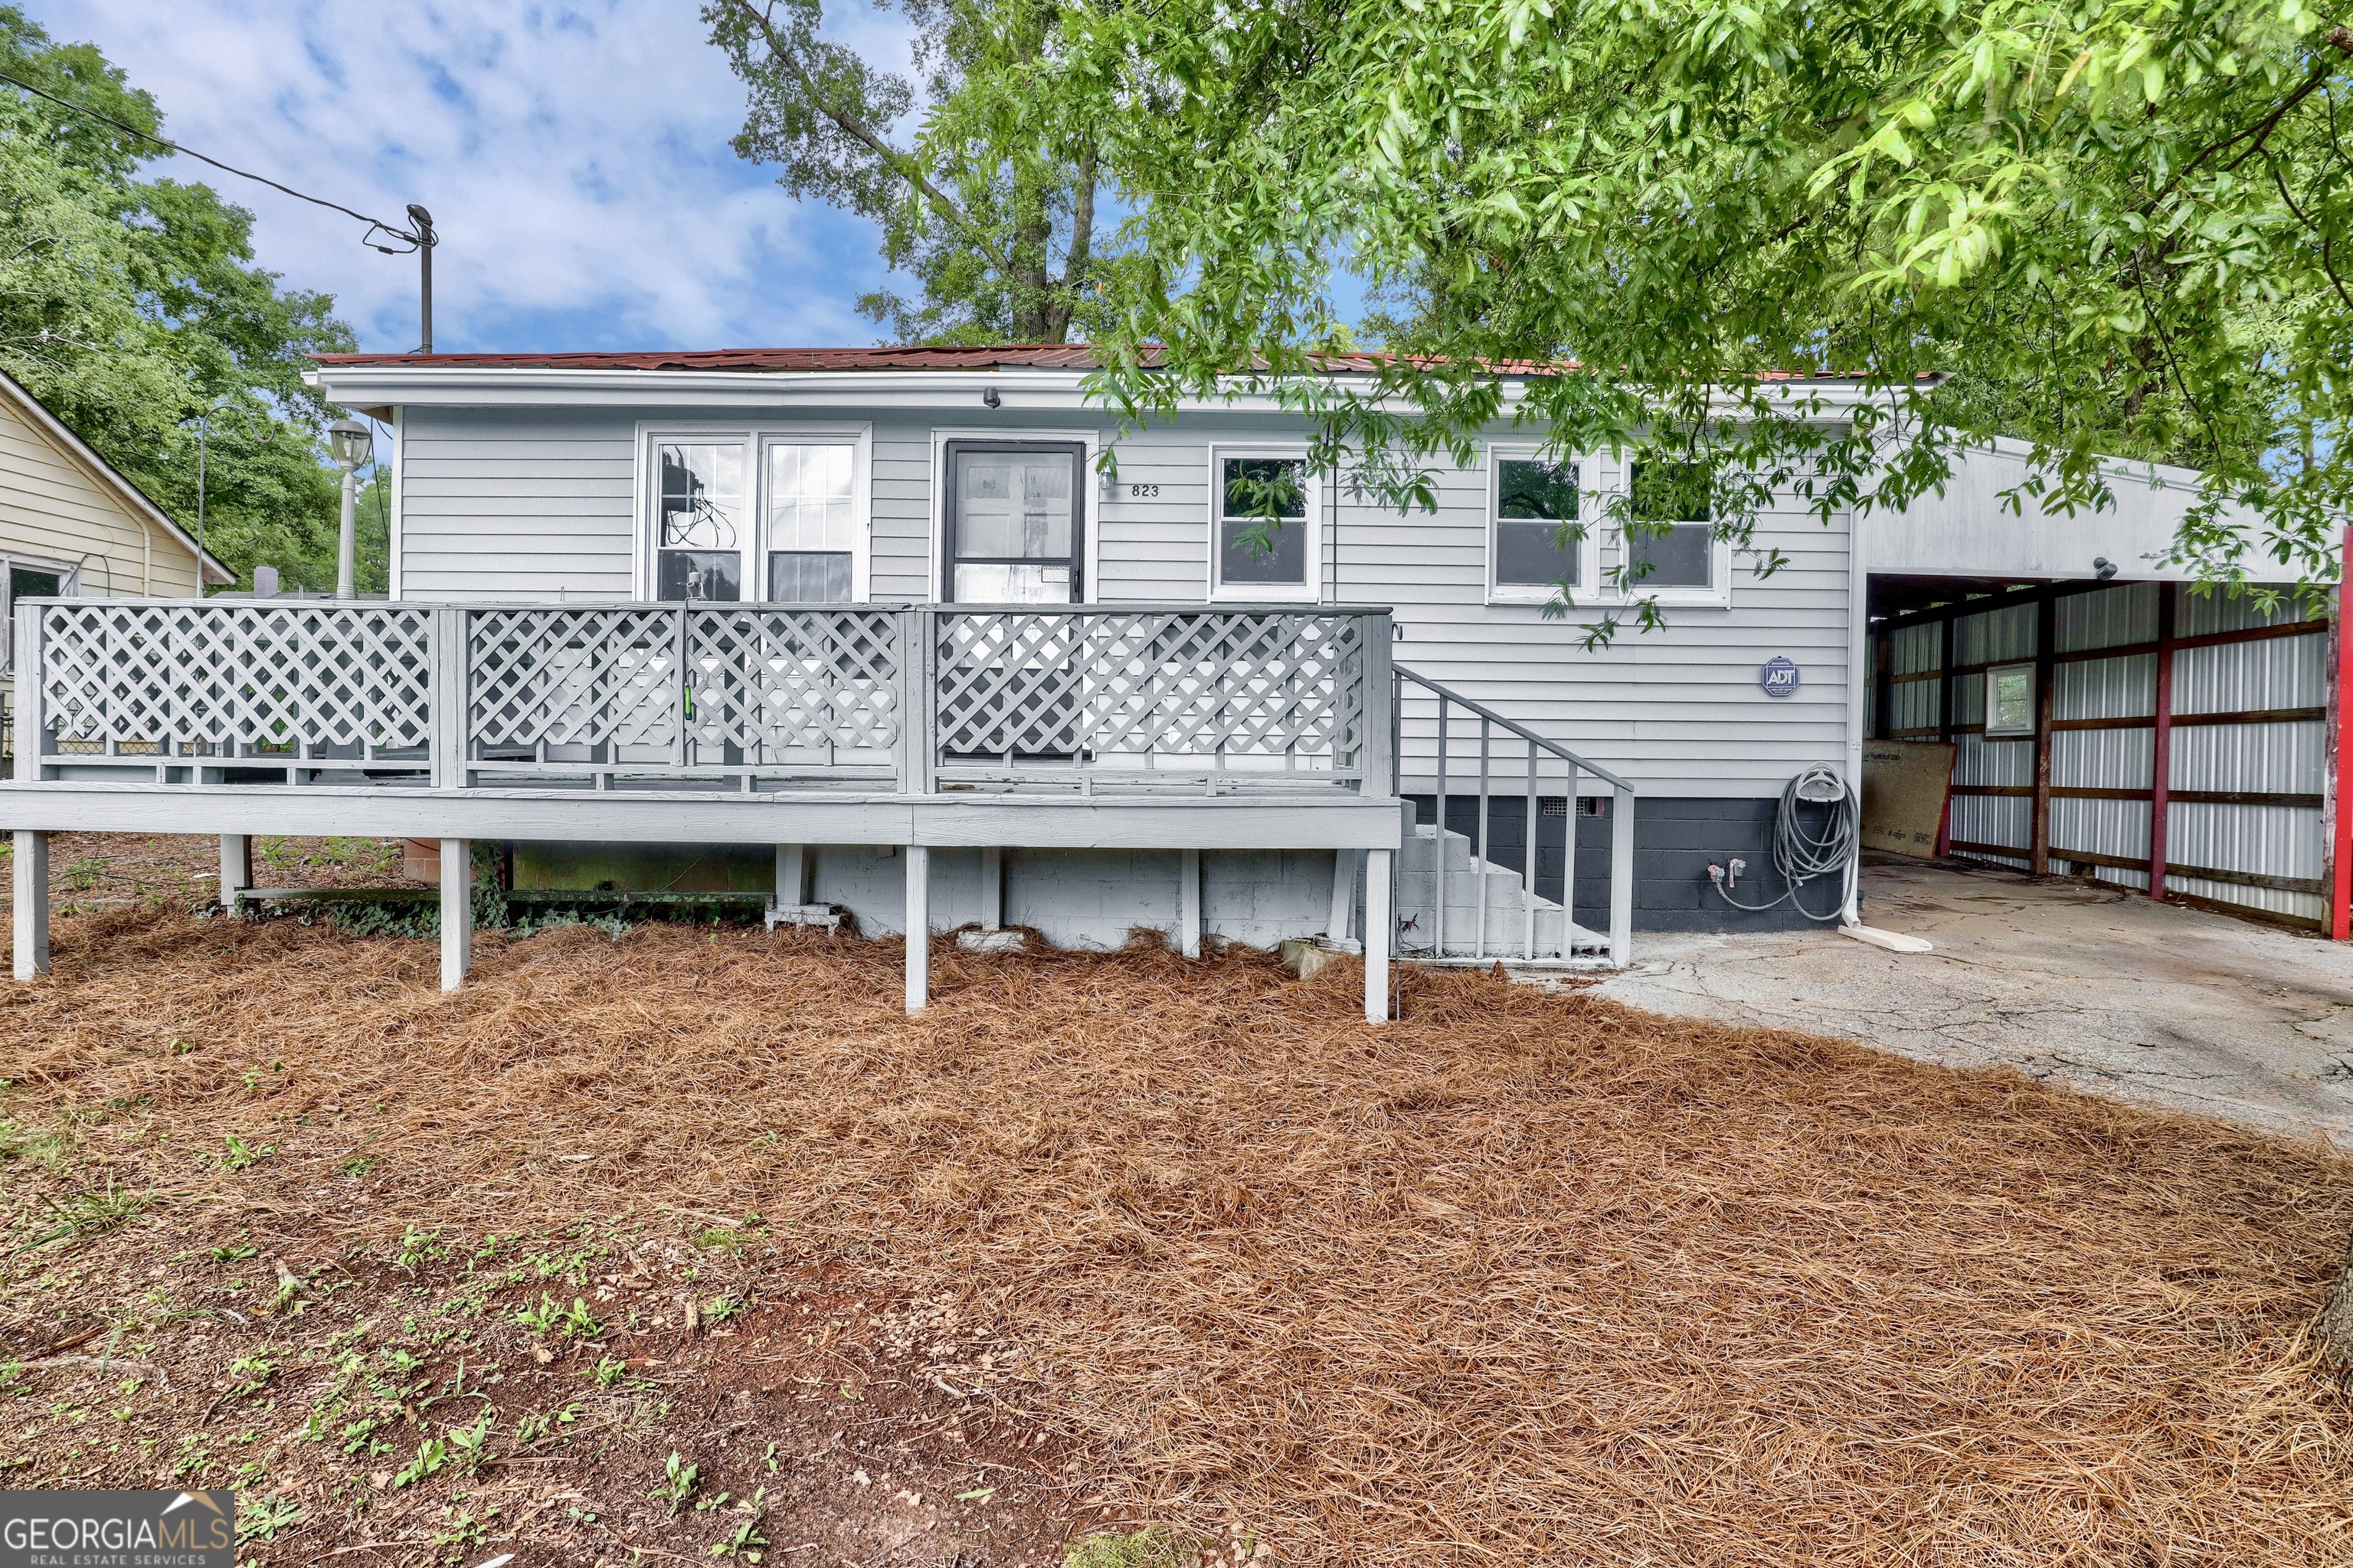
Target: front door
(1016,524)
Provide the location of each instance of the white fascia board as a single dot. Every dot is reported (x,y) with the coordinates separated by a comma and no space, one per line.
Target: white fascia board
(1020,392)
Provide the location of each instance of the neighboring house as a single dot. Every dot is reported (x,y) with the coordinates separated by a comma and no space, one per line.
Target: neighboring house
(920,635)
(70,527)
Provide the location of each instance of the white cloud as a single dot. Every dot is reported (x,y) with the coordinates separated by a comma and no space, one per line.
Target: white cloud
(575,158)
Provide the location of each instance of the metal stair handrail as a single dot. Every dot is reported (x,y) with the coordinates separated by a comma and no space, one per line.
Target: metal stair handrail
(1621,825)
(1448,694)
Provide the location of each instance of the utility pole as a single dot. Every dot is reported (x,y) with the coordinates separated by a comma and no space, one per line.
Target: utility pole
(426,240)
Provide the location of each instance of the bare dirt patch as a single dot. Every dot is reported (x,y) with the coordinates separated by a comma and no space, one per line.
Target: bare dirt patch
(1523,1277)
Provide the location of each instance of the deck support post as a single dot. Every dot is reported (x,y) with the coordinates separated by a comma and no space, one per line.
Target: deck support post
(1343,896)
(992,888)
(919,927)
(236,871)
(457,911)
(1188,902)
(31,925)
(1380,930)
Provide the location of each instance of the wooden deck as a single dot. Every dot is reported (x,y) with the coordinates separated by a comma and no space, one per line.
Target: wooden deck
(922,726)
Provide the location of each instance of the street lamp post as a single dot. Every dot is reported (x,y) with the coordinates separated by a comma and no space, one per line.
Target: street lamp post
(350,442)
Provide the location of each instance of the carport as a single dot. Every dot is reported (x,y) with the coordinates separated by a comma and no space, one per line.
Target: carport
(2108,717)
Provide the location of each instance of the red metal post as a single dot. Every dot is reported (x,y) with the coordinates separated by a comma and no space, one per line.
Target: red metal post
(1945,689)
(2160,780)
(2046,637)
(2340,837)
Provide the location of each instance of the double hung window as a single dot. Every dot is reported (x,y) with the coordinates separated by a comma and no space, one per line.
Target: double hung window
(776,517)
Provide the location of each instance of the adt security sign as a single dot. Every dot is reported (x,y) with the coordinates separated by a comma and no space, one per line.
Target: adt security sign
(1779,678)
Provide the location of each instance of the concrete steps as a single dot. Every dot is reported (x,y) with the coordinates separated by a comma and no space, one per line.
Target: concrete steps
(1432,862)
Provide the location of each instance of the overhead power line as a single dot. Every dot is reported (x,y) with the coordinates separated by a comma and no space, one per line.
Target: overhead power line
(169,146)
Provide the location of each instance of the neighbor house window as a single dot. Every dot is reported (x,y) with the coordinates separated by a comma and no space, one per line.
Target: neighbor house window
(28,579)
(812,523)
(700,521)
(1265,533)
(1538,540)
(1681,554)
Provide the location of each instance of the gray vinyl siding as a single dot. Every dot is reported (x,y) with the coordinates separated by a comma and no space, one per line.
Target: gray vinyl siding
(1156,547)
(902,541)
(505,503)
(1679,710)
(508,503)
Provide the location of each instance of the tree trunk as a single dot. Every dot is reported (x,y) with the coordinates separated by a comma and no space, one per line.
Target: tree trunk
(2336,1323)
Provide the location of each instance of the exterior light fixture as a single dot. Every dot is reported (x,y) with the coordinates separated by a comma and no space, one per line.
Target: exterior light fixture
(988,397)
(351,445)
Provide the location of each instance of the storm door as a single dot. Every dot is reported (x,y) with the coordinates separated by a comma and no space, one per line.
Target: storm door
(1014,534)
(1016,524)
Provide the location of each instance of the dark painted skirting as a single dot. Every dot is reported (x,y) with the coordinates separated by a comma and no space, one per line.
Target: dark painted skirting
(1674,841)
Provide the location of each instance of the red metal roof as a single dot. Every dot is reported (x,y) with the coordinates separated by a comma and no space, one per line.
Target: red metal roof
(1009,356)
(979,358)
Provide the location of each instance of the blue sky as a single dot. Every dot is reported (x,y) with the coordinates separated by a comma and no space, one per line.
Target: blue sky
(575,157)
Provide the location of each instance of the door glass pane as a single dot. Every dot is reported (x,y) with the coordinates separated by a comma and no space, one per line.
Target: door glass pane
(1013,505)
(1680,557)
(808,576)
(699,520)
(1007,583)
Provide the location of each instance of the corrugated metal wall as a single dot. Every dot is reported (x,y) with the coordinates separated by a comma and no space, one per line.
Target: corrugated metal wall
(2246,738)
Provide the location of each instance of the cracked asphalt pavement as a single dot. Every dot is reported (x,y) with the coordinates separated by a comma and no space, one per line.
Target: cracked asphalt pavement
(2097,987)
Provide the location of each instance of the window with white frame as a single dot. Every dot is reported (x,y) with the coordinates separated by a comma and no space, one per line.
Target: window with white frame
(1263,541)
(749,515)
(1672,550)
(25,577)
(812,523)
(700,528)
(1535,542)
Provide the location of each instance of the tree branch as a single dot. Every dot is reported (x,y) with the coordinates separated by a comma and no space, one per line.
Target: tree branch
(1083,226)
(2342,38)
(903,164)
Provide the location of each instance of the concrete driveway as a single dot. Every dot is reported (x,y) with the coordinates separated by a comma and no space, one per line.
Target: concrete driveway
(2100,988)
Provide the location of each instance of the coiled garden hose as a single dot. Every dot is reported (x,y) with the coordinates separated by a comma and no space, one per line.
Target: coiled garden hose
(1800,853)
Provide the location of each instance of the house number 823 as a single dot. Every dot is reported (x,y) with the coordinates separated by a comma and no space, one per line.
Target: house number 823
(1146,492)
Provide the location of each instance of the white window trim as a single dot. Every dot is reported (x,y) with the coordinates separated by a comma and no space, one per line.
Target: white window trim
(1310,589)
(1091,496)
(397,541)
(1716,595)
(1985,698)
(1588,548)
(68,587)
(755,440)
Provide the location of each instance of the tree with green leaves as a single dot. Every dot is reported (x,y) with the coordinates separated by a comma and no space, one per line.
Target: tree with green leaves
(2118,228)
(132,308)
(1002,238)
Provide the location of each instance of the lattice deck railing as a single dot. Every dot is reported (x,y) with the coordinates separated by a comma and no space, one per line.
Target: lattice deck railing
(750,697)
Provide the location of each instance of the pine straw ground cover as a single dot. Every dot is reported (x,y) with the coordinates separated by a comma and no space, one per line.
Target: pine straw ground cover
(1523,1278)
